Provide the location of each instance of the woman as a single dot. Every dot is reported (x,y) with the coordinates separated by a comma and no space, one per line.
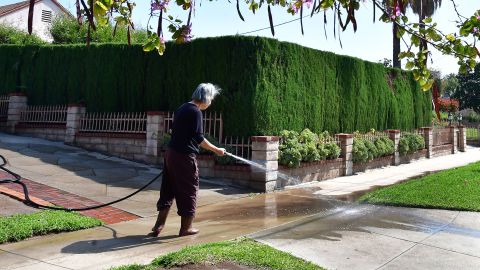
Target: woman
(180,175)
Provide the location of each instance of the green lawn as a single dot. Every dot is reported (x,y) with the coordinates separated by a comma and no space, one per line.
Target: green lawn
(244,251)
(455,189)
(18,227)
(472,134)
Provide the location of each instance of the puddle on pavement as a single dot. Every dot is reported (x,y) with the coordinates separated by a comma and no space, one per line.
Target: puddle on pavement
(367,219)
(265,207)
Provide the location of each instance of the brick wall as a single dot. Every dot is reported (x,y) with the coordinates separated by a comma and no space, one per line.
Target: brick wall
(52,132)
(442,150)
(414,156)
(373,164)
(128,146)
(312,171)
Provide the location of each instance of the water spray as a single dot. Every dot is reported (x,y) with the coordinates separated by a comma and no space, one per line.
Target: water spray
(295,180)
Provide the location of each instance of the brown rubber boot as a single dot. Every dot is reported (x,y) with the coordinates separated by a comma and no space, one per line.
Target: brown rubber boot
(186,227)
(160,223)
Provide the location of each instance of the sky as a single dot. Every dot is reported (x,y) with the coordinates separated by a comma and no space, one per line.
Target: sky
(372,41)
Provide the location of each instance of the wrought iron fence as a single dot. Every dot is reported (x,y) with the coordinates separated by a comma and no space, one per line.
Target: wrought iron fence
(4,100)
(212,124)
(116,122)
(371,136)
(45,114)
(239,146)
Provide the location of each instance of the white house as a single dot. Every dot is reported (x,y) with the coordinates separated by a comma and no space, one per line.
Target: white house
(16,15)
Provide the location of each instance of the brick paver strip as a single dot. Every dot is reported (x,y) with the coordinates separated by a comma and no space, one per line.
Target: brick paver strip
(44,194)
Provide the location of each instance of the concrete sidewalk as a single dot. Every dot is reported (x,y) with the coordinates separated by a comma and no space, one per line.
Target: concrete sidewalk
(350,187)
(366,237)
(288,219)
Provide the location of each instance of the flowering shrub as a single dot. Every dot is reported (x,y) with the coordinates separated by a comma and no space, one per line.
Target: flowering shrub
(448,105)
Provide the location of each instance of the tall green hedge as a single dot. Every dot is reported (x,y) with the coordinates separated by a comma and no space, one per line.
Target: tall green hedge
(267,85)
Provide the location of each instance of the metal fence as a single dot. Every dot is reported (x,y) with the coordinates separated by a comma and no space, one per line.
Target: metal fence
(45,114)
(239,146)
(117,122)
(4,100)
(371,136)
(212,124)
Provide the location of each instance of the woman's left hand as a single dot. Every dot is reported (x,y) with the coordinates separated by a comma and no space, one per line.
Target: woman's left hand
(220,151)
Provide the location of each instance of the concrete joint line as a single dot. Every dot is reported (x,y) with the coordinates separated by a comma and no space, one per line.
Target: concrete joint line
(33,259)
(420,243)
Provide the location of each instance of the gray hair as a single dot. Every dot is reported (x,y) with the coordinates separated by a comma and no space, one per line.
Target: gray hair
(205,93)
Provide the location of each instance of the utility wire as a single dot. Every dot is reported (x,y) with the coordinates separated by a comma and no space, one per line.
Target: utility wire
(266,28)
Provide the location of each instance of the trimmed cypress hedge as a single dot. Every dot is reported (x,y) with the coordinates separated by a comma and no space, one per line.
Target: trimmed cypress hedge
(267,85)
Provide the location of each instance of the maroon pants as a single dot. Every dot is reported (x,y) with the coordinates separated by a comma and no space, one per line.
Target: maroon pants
(180,182)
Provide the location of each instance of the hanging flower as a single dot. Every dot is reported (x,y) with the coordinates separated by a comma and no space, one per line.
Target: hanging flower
(295,6)
(158,5)
(396,12)
(187,33)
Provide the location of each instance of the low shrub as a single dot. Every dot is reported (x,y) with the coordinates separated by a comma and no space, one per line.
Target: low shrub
(306,146)
(359,150)
(365,150)
(332,149)
(410,143)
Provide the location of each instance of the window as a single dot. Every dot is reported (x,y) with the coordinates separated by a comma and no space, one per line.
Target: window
(47,16)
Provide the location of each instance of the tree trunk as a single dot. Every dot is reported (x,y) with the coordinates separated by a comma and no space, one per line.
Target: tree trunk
(396,48)
(79,13)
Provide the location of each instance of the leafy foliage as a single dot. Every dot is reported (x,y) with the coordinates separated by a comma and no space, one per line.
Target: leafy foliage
(11,35)
(449,84)
(306,146)
(468,90)
(66,30)
(365,150)
(262,94)
(410,143)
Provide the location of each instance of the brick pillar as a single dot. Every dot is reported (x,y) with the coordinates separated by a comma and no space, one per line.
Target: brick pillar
(428,137)
(453,139)
(74,113)
(155,133)
(17,103)
(346,144)
(462,147)
(394,135)
(265,152)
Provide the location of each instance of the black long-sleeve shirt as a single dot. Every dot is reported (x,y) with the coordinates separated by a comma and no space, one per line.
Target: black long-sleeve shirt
(187,129)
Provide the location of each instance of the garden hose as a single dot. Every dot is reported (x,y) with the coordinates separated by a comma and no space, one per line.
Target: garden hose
(29,202)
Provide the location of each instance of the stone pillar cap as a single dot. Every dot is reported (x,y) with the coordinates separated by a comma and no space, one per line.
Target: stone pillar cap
(265,138)
(80,104)
(156,113)
(344,135)
(17,94)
